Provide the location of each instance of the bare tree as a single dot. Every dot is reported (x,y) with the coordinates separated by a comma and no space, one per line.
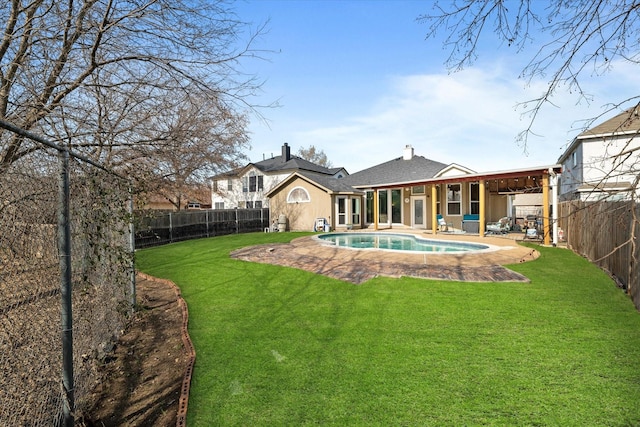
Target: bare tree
(96,74)
(315,156)
(567,40)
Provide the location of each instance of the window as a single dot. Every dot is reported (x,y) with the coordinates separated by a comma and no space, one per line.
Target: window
(396,206)
(417,189)
(229,185)
(369,207)
(298,195)
(342,210)
(474,198)
(438,200)
(355,211)
(245,184)
(255,183)
(574,157)
(454,199)
(215,186)
(249,205)
(257,204)
(218,205)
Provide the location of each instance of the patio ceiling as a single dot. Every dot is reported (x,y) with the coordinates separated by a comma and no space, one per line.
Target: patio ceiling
(504,182)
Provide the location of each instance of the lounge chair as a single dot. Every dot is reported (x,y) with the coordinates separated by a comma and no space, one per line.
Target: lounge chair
(503,226)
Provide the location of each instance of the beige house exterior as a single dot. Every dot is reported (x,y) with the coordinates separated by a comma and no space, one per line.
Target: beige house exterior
(305,197)
(412,192)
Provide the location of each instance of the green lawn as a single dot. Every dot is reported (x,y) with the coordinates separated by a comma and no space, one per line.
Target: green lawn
(280,346)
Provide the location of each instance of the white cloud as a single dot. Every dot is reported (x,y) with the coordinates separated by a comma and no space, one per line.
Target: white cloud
(468,118)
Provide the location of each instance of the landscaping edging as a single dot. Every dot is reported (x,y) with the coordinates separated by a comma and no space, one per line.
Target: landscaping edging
(181,418)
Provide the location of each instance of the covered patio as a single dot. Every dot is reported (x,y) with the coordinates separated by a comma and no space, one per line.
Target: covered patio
(542,179)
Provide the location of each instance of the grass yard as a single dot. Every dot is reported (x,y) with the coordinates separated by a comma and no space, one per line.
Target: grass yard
(280,346)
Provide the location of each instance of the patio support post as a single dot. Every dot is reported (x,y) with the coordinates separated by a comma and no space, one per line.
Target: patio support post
(375,210)
(545,207)
(554,205)
(434,209)
(482,208)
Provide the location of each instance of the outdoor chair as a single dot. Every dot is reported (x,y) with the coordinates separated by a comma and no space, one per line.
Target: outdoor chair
(503,226)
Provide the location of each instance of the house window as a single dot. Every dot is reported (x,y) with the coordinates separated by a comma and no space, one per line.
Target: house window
(257,204)
(255,183)
(245,184)
(574,157)
(454,199)
(342,210)
(249,205)
(229,185)
(369,207)
(218,205)
(383,207)
(215,186)
(355,211)
(298,195)
(474,198)
(419,189)
(438,211)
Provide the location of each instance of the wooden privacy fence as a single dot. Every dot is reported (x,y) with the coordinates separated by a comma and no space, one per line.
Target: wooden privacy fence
(154,228)
(604,233)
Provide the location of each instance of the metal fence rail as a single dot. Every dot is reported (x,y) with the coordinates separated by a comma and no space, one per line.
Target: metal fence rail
(161,228)
(50,356)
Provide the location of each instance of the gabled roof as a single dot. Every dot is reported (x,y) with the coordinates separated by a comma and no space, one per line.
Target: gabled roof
(328,183)
(394,171)
(625,123)
(277,165)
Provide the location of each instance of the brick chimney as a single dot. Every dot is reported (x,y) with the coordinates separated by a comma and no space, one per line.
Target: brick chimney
(286,153)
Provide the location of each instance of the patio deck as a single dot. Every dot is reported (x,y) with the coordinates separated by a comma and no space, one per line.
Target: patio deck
(358,266)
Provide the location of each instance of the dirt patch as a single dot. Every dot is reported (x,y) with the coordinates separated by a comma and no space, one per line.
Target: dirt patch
(143,379)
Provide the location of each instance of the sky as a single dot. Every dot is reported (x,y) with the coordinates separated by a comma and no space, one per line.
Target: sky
(360,81)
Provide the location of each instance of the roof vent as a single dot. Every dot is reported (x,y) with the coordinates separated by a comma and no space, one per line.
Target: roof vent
(408,152)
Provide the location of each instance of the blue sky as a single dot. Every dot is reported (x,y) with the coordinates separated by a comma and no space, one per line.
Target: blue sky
(358,80)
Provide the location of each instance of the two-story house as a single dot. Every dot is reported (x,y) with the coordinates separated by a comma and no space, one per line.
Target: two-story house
(247,187)
(603,163)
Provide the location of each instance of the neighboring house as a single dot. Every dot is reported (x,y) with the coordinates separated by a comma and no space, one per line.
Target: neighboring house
(409,191)
(247,187)
(603,162)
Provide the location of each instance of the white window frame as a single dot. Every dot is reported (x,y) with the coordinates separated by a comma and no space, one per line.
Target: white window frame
(451,201)
(298,200)
(471,201)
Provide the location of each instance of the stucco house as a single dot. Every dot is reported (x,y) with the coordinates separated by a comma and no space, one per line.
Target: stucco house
(410,191)
(248,186)
(603,162)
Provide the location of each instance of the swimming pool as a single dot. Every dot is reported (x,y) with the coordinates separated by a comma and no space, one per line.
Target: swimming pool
(399,242)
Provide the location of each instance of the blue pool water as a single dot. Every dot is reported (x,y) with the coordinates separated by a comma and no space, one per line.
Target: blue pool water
(398,242)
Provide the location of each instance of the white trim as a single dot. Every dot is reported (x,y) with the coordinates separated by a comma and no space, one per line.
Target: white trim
(304,190)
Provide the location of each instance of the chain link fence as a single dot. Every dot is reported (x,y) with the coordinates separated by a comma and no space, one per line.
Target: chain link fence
(32,309)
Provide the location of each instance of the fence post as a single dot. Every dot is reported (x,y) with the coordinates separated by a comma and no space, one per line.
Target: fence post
(237,225)
(64,248)
(132,249)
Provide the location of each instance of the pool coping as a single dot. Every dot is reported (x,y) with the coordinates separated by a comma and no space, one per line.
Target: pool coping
(358,266)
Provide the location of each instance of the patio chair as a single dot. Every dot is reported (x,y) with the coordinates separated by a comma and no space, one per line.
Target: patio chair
(442,224)
(503,226)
